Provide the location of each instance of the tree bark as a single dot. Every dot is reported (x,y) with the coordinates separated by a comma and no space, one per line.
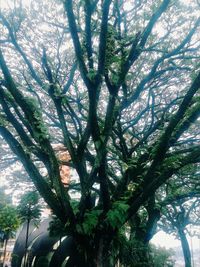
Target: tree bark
(26,244)
(90,255)
(5,250)
(103,259)
(185,248)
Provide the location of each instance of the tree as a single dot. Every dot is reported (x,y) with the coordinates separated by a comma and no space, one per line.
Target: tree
(178,193)
(29,209)
(162,257)
(4,198)
(9,223)
(176,217)
(118,85)
(178,203)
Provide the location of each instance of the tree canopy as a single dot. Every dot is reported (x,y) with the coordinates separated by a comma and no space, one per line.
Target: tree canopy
(9,221)
(116,83)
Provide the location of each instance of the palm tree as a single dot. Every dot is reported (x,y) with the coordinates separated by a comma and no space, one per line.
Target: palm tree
(9,222)
(29,209)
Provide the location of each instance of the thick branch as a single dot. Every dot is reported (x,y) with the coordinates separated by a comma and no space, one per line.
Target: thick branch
(77,46)
(103,37)
(37,179)
(88,32)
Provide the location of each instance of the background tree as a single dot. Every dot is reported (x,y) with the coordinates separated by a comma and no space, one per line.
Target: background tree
(162,257)
(9,223)
(181,188)
(5,199)
(118,85)
(177,217)
(29,210)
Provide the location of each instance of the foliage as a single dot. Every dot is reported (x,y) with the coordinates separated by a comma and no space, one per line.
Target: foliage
(29,210)
(115,216)
(134,253)
(15,259)
(4,198)
(162,256)
(29,207)
(9,221)
(57,228)
(89,223)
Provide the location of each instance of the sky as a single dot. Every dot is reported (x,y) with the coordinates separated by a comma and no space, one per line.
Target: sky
(168,241)
(9,3)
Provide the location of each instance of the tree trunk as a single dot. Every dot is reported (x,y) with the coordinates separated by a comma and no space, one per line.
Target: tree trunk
(5,250)
(26,244)
(185,248)
(103,257)
(88,255)
(139,238)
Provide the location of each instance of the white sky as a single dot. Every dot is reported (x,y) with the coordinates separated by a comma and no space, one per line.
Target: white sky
(7,3)
(164,240)
(168,241)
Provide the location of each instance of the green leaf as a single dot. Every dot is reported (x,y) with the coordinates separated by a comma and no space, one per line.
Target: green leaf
(115,216)
(9,220)
(98,144)
(91,74)
(90,222)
